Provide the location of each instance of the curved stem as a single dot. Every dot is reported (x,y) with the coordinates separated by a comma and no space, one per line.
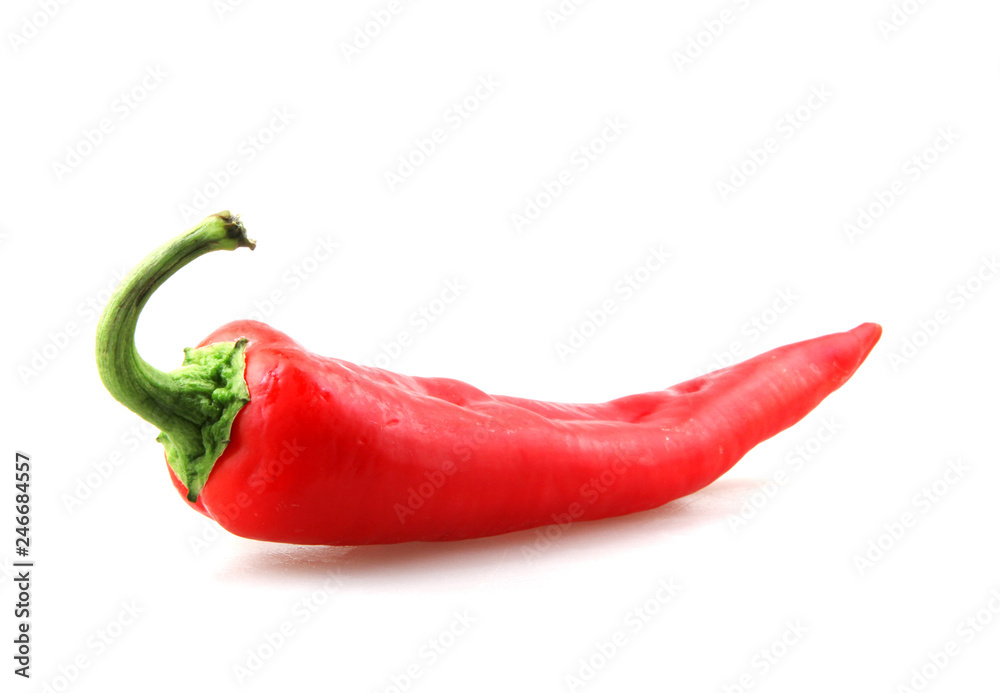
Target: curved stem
(184,402)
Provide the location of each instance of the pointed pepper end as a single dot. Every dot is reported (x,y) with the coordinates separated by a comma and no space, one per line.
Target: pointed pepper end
(853,352)
(868,335)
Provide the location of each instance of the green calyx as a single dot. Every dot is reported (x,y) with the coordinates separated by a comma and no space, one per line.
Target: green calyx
(212,382)
(193,406)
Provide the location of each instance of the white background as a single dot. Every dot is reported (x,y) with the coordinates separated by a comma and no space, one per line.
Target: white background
(213,80)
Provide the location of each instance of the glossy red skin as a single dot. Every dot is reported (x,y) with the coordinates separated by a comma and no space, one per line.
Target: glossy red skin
(328,452)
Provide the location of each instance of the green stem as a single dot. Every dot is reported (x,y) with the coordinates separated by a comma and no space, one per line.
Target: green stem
(194,406)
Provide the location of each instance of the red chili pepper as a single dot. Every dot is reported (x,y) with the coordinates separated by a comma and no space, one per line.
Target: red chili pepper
(278,444)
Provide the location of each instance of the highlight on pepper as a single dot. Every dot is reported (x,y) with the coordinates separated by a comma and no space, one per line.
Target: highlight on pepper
(279,444)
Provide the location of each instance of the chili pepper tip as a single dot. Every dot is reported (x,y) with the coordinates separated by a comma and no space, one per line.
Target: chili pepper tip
(868,334)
